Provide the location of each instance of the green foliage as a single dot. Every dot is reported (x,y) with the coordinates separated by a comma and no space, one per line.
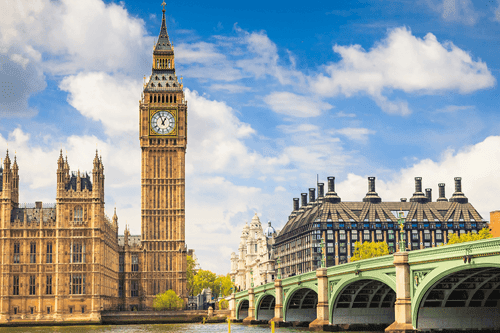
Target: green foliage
(203,279)
(207,279)
(469,237)
(367,250)
(223,304)
(168,301)
(190,273)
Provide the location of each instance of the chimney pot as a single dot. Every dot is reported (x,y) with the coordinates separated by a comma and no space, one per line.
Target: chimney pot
(428,194)
(403,199)
(458,184)
(304,199)
(312,194)
(321,191)
(295,204)
(442,196)
(418,184)
(371,184)
(331,184)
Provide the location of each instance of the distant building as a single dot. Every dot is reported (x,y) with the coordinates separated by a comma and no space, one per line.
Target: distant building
(428,224)
(495,223)
(254,263)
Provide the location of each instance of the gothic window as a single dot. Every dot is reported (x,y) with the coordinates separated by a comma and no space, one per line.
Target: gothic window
(78,252)
(135,263)
(32,286)
(159,84)
(16,257)
(150,98)
(48,285)
(121,262)
(33,253)
(77,284)
(49,253)
(175,98)
(15,285)
(78,214)
(163,78)
(134,288)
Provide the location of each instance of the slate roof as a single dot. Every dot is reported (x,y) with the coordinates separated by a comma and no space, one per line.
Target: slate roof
(330,208)
(163,43)
(85,182)
(33,214)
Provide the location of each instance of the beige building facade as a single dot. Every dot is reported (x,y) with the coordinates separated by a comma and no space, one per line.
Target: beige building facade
(254,263)
(65,261)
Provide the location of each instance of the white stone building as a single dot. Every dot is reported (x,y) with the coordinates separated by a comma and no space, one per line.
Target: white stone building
(254,262)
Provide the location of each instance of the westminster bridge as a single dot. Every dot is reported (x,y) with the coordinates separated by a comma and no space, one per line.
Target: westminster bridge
(452,287)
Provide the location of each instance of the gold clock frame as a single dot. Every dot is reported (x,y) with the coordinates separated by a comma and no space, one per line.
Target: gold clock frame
(173,112)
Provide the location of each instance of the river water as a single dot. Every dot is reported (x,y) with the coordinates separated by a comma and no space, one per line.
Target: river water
(150,328)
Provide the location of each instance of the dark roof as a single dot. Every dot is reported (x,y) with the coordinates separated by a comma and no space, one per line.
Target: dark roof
(33,214)
(85,182)
(163,43)
(334,211)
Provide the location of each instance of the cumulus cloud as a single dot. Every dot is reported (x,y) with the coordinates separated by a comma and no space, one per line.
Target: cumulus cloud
(356,134)
(476,164)
(455,108)
(112,100)
(232,88)
(497,12)
(291,104)
(403,62)
(461,11)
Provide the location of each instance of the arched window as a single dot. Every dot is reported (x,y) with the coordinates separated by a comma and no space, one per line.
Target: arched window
(17,248)
(78,216)
(150,98)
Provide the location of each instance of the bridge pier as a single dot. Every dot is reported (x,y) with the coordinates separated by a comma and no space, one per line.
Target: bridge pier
(322,307)
(251,308)
(278,305)
(232,306)
(402,307)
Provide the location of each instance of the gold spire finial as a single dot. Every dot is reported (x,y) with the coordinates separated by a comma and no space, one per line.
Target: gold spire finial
(163,4)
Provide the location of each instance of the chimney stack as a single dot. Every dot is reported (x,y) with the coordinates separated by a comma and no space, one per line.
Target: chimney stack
(331,196)
(428,194)
(418,196)
(312,195)
(442,196)
(403,199)
(458,196)
(295,204)
(321,191)
(304,199)
(331,184)
(371,196)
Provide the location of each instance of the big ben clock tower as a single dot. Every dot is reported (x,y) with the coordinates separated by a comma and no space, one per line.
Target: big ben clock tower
(163,139)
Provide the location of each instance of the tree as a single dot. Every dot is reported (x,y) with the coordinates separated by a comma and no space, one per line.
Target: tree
(368,250)
(168,301)
(469,237)
(203,279)
(225,282)
(190,273)
(223,304)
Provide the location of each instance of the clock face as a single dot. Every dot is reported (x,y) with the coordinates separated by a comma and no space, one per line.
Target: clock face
(163,122)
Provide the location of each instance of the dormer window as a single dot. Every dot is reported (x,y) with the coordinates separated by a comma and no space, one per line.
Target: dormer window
(156,77)
(152,84)
(159,84)
(163,78)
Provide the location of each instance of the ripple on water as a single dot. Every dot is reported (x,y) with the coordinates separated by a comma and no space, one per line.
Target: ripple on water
(150,328)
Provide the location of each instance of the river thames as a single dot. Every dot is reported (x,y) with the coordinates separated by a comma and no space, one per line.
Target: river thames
(151,328)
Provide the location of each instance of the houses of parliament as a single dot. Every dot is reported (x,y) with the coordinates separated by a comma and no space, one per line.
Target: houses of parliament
(66,261)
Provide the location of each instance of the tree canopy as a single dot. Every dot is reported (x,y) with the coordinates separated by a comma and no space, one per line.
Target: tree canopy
(167,301)
(368,250)
(469,237)
(219,284)
(190,273)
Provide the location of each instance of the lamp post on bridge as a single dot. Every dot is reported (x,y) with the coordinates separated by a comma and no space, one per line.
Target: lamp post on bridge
(401,221)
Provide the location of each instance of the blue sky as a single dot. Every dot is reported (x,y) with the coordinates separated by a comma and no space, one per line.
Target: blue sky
(278,93)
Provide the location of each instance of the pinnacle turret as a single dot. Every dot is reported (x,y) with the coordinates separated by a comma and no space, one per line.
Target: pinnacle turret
(163,43)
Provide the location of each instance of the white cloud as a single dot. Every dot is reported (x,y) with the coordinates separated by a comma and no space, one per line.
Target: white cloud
(232,88)
(342,114)
(406,63)
(497,12)
(455,108)
(113,100)
(476,164)
(296,105)
(298,128)
(356,134)
(456,10)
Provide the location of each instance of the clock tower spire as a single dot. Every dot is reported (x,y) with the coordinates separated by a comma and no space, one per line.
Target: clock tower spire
(163,140)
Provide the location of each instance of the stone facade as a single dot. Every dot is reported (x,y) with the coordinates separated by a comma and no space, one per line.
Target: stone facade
(163,140)
(59,261)
(65,261)
(254,263)
(341,224)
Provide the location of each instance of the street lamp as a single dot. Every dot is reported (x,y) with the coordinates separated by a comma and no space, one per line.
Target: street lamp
(401,221)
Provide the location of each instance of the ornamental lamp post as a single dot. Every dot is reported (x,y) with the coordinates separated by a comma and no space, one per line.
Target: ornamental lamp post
(323,250)
(401,221)
(278,261)
(251,275)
